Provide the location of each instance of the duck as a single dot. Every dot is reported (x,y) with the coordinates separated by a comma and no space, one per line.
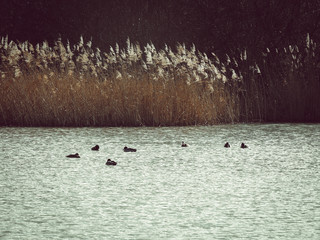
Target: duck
(76,155)
(243,145)
(184,144)
(95,148)
(110,162)
(227,145)
(126,149)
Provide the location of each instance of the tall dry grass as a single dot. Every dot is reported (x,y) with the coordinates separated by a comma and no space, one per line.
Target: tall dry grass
(64,85)
(79,86)
(66,101)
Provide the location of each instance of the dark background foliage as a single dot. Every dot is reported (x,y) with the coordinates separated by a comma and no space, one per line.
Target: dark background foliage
(220,25)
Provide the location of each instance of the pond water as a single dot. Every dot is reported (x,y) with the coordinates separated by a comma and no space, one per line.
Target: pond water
(270,190)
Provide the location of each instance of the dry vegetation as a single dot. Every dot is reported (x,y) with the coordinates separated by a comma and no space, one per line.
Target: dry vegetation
(77,85)
(286,87)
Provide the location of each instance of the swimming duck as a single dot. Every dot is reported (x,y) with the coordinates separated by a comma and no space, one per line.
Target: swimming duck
(126,149)
(184,144)
(243,145)
(110,162)
(227,145)
(95,148)
(76,155)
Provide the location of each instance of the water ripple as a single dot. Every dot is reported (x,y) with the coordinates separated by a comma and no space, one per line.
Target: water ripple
(163,191)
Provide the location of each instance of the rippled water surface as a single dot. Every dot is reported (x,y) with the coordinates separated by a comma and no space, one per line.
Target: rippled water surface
(162,191)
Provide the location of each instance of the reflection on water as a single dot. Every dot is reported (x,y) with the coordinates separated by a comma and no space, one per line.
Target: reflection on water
(162,191)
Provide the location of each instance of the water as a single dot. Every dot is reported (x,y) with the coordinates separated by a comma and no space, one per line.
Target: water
(270,190)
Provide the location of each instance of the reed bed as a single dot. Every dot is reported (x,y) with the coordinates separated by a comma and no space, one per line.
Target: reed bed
(281,85)
(64,85)
(78,86)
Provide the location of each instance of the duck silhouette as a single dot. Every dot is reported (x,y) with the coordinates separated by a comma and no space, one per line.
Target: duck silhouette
(227,145)
(126,149)
(110,162)
(76,155)
(243,145)
(183,144)
(95,148)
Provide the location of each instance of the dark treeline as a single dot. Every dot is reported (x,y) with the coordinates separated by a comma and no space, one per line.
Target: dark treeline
(224,25)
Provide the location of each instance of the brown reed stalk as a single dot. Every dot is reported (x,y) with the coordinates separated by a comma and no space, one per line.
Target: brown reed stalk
(62,100)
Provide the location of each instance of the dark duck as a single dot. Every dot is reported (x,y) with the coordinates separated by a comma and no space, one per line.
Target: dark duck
(243,145)
(110,162)
(76,155)
(127,149)
(183,144)
(95,148)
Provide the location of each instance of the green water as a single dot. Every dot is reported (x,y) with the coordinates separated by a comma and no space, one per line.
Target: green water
(270,190)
